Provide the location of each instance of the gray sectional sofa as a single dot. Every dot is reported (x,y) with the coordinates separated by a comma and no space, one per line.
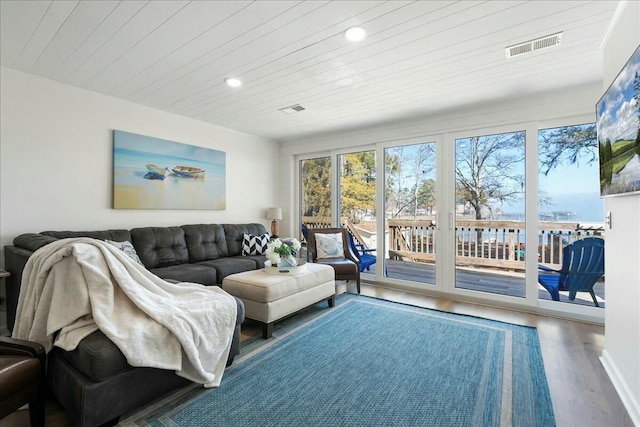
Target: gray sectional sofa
(94,382)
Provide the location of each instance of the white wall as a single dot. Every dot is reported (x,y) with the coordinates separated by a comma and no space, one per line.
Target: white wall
(56,160)
(621,356)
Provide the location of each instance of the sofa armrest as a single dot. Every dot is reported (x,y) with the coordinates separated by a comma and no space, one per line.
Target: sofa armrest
(16,347)
(33,241)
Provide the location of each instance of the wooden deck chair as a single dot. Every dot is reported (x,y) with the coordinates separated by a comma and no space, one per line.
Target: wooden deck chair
(582,266)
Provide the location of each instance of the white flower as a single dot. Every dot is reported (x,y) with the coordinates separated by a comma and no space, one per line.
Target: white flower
(273,257)
(277,249)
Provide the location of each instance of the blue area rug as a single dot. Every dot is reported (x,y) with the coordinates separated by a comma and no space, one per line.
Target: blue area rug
(369,362)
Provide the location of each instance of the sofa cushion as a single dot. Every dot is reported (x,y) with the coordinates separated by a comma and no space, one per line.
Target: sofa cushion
(160,246)
(195,273)
(229,265)
(205,241)
(97,357)
(115,235)
(235,232)
(257,259)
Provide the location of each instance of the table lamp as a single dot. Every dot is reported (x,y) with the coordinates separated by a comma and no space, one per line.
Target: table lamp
(275,215)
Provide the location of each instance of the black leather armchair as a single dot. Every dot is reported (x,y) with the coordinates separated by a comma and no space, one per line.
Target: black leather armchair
(347,267)
(22,367)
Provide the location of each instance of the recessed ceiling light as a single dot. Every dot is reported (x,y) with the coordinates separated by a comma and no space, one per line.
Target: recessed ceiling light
(355,34)
(233,82)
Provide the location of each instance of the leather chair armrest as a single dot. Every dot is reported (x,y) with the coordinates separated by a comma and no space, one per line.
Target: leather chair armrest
(16,347)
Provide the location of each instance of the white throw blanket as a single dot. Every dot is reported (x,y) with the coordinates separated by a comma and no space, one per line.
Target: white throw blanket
(76,286)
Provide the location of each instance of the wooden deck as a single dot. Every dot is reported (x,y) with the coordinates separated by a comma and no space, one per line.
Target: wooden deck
(479,280)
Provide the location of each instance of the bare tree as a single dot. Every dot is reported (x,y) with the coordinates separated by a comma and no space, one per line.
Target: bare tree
(489,169)
(408,169)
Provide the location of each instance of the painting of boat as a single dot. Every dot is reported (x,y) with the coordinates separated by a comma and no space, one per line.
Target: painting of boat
(188,172)
(153,175)
(156,169)
(155,172)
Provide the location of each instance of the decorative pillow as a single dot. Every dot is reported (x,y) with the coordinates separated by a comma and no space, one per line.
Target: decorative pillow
(128,249)
(255,245)
(329,245)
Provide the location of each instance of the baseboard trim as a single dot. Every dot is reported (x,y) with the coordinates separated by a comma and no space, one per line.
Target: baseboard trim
(631,404)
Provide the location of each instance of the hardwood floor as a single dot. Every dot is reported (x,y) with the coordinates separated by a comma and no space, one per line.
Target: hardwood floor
(581,391)
(486,280)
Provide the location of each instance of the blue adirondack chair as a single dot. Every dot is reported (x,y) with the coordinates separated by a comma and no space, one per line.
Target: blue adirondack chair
(364,255)
(582,266)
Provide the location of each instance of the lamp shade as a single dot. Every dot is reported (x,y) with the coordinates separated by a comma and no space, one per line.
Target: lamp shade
(274,214)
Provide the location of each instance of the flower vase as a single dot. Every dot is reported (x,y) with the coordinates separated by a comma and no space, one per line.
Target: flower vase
(288,261)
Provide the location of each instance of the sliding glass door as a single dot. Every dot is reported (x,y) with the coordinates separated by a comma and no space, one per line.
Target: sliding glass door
(410,212)
(572,211)
(457,222)
(357,200)
(490,213)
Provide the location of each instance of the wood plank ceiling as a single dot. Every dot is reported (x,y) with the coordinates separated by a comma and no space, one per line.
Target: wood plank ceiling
(420,57)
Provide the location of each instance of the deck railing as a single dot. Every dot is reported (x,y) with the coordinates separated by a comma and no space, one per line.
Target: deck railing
(325,222)
(482,243)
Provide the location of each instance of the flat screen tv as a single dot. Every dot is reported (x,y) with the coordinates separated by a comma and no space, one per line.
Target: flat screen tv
(618,126)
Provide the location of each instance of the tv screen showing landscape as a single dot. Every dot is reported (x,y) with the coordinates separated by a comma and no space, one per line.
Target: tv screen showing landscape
(618,125)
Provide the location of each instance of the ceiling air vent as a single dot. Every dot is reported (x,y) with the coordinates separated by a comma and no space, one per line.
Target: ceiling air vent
(292,109)
(533,45)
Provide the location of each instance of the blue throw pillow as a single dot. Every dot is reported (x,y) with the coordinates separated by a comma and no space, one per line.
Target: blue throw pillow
(329,246)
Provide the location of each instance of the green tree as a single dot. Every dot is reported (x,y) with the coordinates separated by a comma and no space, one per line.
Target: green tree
(636,91)
(607,164)
(489,169)
(427,195)
(393,169)
(636,97)
(316,187)
(357,184)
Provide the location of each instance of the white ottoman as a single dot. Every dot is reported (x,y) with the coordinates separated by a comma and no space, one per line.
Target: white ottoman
(271,297)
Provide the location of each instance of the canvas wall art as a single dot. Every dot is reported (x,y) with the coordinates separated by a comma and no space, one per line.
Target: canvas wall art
(618,124)
(153,173)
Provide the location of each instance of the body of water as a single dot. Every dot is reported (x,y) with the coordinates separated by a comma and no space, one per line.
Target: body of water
(134,190)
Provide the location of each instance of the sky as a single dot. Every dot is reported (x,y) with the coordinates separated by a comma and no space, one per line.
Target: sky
(167,148)
(617,113)
(571,188)
(574,189)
